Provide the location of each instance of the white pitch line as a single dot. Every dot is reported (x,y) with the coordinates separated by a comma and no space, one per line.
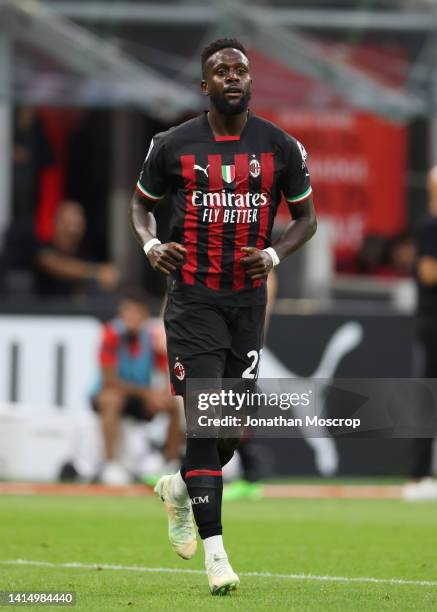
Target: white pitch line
(171,570)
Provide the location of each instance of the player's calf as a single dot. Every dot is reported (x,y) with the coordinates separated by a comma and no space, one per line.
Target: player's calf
(205,488)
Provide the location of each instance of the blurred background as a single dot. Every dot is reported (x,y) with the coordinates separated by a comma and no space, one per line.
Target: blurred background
(83,87)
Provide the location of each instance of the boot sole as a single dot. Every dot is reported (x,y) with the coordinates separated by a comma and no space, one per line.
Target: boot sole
(224,590)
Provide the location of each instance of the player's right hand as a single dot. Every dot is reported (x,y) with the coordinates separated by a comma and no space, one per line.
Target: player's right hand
(167,257)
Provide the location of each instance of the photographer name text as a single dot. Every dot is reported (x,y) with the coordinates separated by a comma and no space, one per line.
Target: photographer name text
(277,421)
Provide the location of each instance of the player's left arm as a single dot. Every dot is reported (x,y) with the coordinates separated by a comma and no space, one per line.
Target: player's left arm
(297,190)
(258,263)
(302,227)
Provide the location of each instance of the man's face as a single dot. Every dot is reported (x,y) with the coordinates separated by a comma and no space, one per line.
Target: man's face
(70,222)
(227,81)
(133,314)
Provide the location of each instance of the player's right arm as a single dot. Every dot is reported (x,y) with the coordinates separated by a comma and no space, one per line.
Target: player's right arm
(150,190)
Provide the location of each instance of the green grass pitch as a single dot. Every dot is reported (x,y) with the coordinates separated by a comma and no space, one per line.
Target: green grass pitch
(352,539)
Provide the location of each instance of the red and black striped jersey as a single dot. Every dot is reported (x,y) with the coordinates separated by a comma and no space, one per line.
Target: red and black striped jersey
(224,192)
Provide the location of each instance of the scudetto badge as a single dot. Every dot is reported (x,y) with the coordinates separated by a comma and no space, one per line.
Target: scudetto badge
(179,370)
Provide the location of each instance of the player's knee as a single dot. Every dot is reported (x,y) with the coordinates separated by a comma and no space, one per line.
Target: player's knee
(156,400)
(171,406)
(229,444)
(202,452)
(226,448)
(110,400)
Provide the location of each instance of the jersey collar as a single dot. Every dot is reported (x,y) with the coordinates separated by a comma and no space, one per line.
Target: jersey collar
(225,138)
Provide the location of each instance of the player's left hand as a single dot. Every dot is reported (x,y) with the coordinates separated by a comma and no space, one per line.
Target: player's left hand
(257,263)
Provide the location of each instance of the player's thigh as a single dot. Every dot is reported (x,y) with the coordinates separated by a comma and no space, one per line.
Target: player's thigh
(198,340)
(109,400)
(247,335)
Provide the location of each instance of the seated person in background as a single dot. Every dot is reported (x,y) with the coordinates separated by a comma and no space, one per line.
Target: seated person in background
(61,266)
(402,255)
(130,350)
(387,257)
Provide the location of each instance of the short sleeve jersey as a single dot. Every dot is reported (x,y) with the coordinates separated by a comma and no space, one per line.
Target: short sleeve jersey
(135,359)
(426,244)
(225,192)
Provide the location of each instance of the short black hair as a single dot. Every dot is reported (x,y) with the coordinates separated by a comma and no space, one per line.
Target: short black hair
(133,293)
(216,45)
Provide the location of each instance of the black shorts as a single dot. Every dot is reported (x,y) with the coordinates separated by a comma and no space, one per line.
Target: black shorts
(212,341)
(133,407)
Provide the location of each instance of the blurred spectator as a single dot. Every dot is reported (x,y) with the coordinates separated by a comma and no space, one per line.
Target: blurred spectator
(389,257)
(130,351)
(401,254)
(62,266)
(371,254)
(422,486)
(31,154)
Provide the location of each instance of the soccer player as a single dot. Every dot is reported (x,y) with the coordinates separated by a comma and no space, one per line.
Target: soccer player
(225,171)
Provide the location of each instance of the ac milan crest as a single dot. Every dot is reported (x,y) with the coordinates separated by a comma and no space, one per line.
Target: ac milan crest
(179,370)
(254,168)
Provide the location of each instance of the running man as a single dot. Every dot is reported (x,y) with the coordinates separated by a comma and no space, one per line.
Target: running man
(225,172)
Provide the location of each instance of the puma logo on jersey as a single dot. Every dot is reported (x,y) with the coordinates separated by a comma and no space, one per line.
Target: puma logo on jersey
(303,153)
(204,170)
(200,500)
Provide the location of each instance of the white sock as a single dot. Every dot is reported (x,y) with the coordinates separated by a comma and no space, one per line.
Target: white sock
(213,545)
(179,488)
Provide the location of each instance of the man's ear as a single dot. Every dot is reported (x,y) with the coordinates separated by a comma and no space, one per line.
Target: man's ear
(204,87)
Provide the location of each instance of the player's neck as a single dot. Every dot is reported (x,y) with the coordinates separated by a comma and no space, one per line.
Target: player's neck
(226,125)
